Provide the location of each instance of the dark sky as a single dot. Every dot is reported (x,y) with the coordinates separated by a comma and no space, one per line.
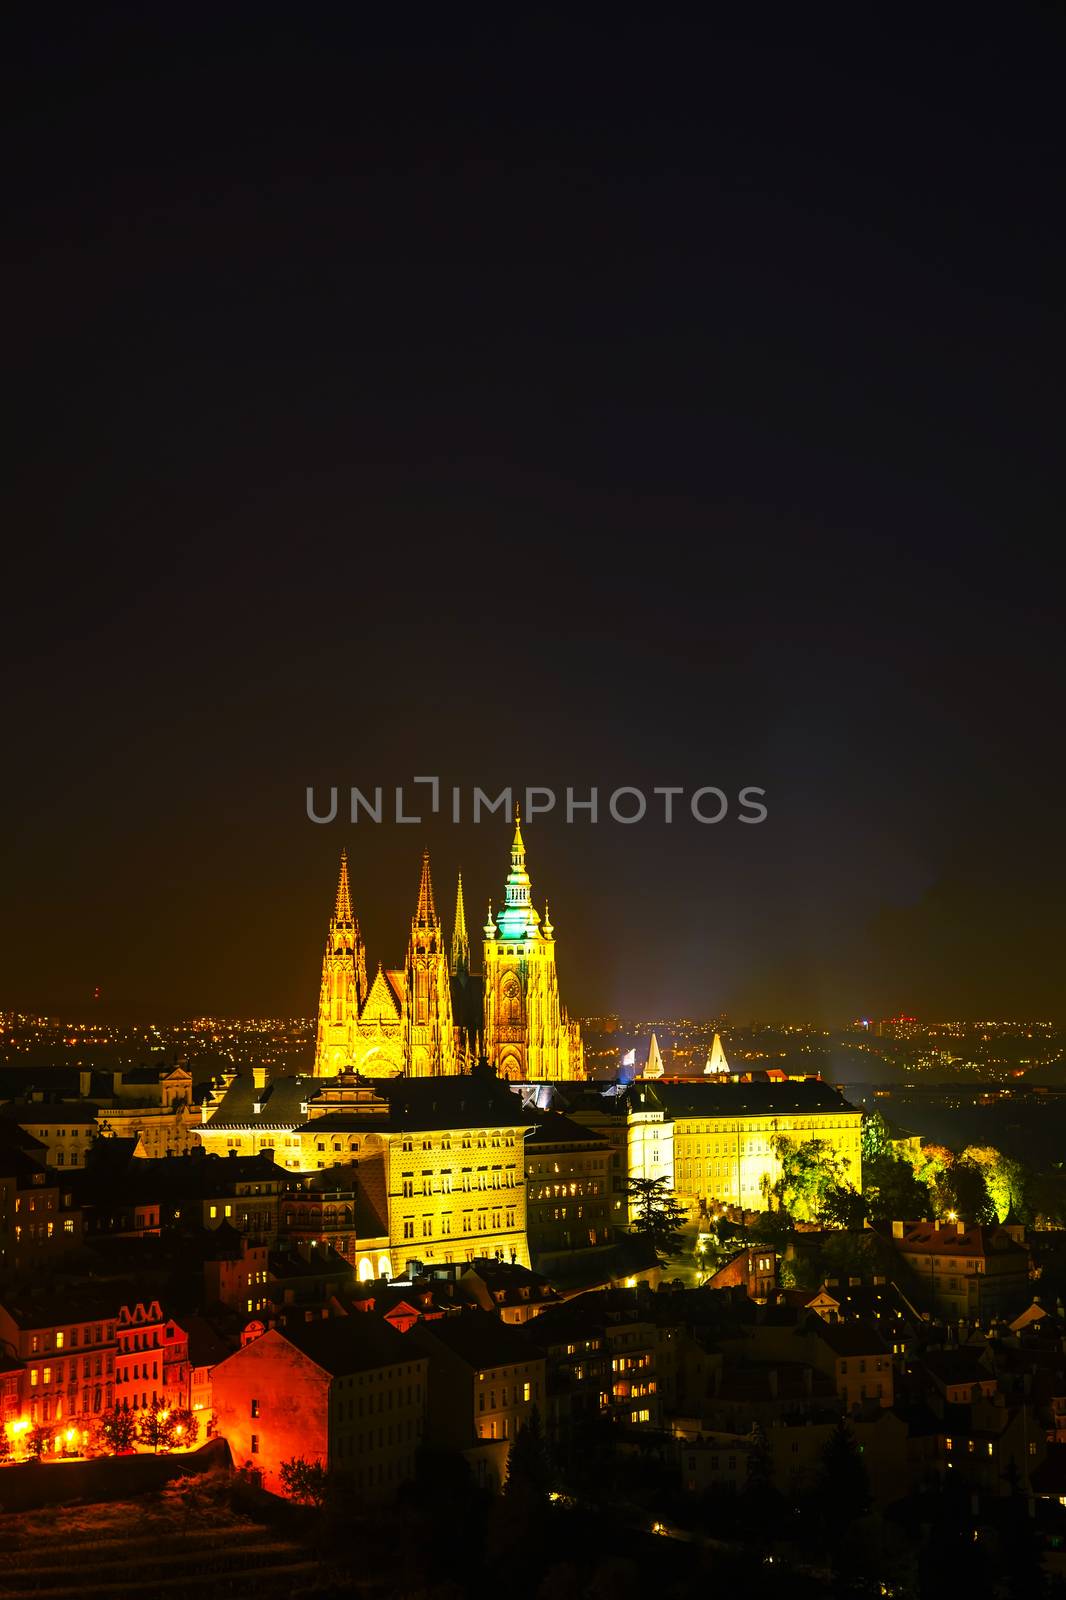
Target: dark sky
(640,403)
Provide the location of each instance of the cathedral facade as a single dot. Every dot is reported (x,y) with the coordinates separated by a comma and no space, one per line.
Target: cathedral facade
(434,1016)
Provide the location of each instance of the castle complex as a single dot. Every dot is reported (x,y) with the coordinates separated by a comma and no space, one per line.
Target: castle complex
(434,1016)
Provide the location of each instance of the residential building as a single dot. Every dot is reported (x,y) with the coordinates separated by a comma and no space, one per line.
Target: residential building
(485,1377)
(969,1274)
(568,1185)
(65,1128)
(39,1219)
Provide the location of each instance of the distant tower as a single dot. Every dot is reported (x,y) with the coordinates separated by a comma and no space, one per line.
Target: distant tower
(653,1067)
(343,983)
(460,938)
(716,1061)
(430,1043)
(527,1033)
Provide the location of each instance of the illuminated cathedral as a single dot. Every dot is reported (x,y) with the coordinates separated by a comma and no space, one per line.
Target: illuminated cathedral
(435,1015)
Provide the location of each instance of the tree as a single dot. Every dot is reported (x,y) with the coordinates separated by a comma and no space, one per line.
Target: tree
(306,1482)
(38,1440)
(964,1192)
(876,1138)
(529,1469)
(773,1228)
(186,1428)
(892,1190)
(931,1162)
(114,1431)
(519,1520)
(156,1426)
(844,1480)
(1004,1179)
(659,1213)
(809,1169)
(843,1207)
(956,1185)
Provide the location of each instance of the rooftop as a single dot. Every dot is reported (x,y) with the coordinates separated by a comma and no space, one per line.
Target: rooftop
(555,1128)
(392,1105)
(358,1343)
(480,1339)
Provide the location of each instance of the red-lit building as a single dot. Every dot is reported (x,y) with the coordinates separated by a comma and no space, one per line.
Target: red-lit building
(12,1373)
(152,1359)
(347,1392)
(66,1344)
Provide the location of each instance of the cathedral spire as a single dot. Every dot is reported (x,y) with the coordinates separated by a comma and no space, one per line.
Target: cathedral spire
(460,938)
(517,918)
(343,909)
(426,914)
(343,982)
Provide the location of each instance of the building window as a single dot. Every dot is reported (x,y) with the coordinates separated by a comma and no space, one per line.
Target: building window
(255,1444)
(255,1408)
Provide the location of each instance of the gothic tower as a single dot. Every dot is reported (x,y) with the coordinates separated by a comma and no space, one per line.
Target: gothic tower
(460,938)
(343,982)
(527,1032)
(430,1043)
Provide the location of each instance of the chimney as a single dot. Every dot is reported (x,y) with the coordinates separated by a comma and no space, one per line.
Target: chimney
(259,1077)
(897,1230)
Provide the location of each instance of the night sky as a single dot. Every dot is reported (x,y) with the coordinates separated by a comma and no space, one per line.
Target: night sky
(552,404)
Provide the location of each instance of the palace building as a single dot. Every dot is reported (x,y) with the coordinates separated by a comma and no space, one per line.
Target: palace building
(714,1138)
(434,1016)
(439,1161)
(726,1131)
